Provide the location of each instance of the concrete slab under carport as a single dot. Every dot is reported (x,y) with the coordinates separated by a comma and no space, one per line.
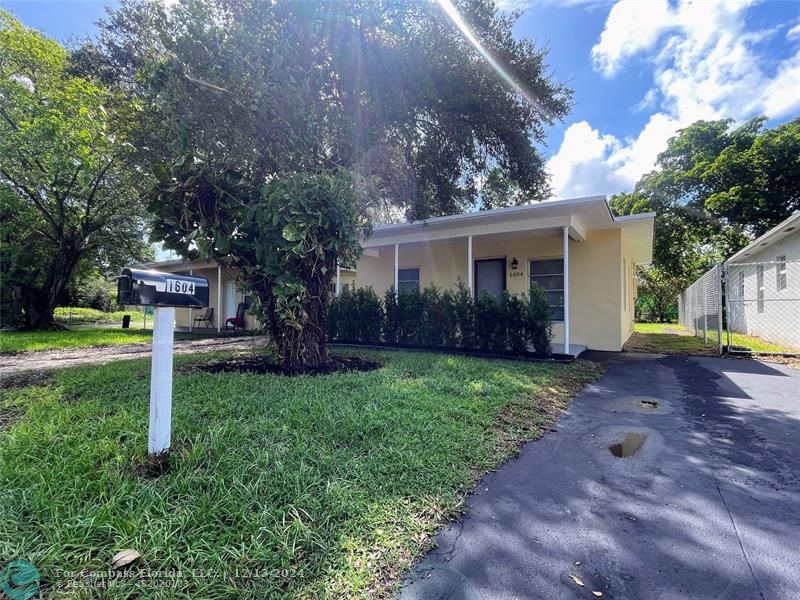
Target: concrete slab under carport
(709,508)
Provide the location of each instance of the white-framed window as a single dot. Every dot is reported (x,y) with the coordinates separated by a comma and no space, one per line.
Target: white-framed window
(407,280)
(741,284)
(760,287)
(780,273)
(549,274)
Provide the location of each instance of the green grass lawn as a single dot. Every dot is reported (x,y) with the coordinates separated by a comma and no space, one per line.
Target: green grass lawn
(71,314)
(25,341)
(672,338)
(28,341)
(306,487)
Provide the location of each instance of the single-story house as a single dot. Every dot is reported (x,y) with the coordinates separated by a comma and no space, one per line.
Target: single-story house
(763,286)
(581,254)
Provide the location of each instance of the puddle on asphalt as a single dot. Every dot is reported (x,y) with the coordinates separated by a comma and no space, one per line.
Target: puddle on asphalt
(629,446)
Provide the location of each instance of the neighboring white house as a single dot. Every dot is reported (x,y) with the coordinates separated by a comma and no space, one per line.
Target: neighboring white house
(763,286)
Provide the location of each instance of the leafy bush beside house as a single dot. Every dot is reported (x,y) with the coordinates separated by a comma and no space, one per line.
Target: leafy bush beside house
(432,317)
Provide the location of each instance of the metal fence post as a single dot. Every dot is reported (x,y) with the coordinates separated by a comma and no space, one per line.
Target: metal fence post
(705,314)
(720,297)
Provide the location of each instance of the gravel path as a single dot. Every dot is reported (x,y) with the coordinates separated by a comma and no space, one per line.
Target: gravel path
(46,360)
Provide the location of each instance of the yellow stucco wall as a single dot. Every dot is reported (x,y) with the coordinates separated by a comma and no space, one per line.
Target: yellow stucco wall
(595,279)
(601,305)
(597,318)
(182,315)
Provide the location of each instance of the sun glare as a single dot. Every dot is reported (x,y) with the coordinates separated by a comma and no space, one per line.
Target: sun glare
(452,12)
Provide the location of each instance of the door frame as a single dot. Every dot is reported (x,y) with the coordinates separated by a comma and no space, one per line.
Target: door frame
(503,259)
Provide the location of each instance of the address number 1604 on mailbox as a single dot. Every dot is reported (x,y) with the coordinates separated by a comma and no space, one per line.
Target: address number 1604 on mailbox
(138,287)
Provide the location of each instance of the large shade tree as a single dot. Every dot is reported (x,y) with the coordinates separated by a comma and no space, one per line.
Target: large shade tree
(68,191)
(287,126)
(716,187)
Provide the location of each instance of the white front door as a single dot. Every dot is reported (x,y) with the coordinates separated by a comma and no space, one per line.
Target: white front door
(230,299)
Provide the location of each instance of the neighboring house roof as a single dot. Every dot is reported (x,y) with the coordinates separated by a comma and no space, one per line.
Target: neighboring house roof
(774,235)
(578,214)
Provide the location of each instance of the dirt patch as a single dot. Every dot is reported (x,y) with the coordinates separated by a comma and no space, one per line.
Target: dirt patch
(40,360)
(9,416)
(24,379)
(154,467)
(261,365)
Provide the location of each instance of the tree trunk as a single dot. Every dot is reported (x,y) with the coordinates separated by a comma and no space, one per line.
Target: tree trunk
(43,304)
(301,344)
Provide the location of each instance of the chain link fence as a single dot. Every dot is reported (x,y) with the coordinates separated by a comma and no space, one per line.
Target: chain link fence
(700,307)
(763,306)
(751,308)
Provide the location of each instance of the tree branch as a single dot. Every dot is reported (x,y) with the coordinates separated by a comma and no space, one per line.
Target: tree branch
(34,198)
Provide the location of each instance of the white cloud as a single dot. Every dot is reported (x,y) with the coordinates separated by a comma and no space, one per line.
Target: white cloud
(793,33)
(648,101)
(581,165)
(705,66)
(631,27)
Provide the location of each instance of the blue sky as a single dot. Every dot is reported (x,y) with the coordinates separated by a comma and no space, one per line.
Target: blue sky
(641,69)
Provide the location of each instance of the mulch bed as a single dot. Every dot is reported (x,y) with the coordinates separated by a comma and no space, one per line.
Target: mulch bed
(261,365)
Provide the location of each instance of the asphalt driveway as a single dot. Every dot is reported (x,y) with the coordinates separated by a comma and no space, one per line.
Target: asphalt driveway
(709,507)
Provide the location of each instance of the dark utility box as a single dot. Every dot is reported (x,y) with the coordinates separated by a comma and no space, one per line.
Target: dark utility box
(137,287)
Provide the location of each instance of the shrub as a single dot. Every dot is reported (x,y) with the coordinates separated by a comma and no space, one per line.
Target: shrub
(488,319)
(432,317)
(90,292)
(370,315)
(391,316)
(517,323)
(464,313)
(539,328)
(410,311)
(354,316)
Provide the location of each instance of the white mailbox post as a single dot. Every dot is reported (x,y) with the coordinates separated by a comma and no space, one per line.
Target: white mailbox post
(161,383)
(164,291)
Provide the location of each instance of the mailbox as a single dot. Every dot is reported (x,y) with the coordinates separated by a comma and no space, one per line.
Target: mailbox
(137,287)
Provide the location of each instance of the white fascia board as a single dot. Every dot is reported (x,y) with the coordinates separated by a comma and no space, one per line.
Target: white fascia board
(767,239)
(429,234)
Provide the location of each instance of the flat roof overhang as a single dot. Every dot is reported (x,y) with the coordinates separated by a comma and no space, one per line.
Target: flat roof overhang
(579,215)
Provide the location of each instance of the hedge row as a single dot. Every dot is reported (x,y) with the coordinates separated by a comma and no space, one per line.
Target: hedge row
(432,317)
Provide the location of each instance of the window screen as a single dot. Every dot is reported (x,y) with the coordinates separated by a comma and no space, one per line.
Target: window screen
(549,274)
(407,280)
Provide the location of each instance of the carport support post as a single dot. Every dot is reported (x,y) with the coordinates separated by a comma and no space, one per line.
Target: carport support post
(219,298)
(566,290)
(469,263)
(190,309)
(396,268)
(161,383)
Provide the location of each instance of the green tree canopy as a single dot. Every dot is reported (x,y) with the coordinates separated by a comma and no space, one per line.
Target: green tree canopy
(284,126)
(68,191)
(717,187)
